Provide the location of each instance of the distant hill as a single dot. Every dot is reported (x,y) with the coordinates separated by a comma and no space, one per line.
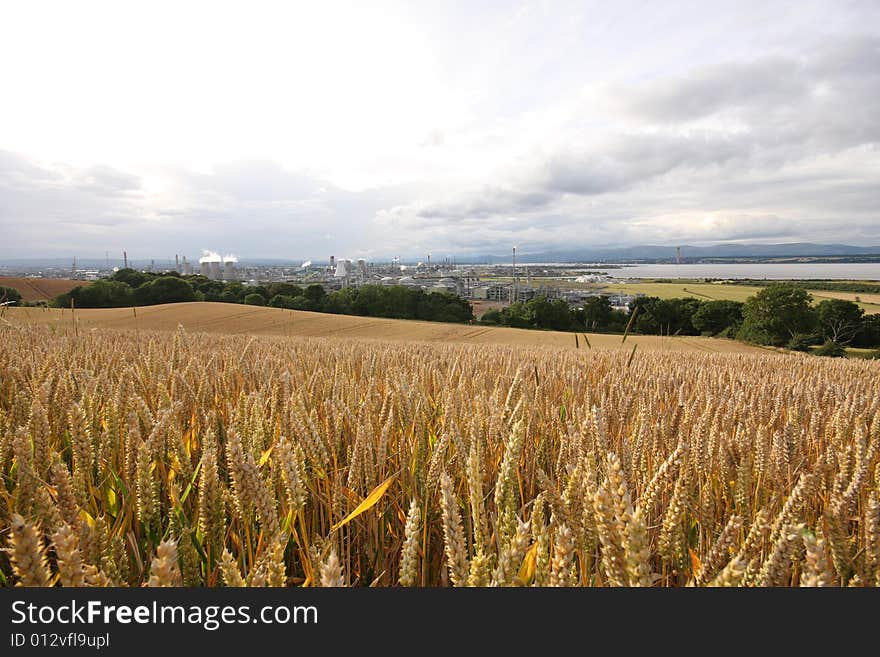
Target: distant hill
(656,252)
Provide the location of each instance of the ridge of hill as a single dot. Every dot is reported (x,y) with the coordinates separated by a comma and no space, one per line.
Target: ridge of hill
(229,318)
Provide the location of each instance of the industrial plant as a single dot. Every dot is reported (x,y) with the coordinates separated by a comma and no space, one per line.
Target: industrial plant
(486,285)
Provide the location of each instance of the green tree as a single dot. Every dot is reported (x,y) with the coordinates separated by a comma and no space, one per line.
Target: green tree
(315,292)
(839,320)
(284,289)
(131,277)
(301,302)
(103,294)
(210,290)
(596,313)
(165,289)
(546,314)
(776,314)
(713,317)
(254,299)
(233,292)
(516,315)
(665,316)
(869,332)
(282,301)
(492,316)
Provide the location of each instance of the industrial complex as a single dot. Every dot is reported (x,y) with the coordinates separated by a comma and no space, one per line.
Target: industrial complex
(490,284)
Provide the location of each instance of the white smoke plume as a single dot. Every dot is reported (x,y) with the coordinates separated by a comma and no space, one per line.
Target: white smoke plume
(213,256)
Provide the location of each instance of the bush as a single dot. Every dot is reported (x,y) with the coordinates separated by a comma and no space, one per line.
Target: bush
(713,317)
(874,355)
(255,299)
(491,317)
(802,342)
(869,332)
(831,350)
(104,294)
(10,294)
(165,289)
(284,289)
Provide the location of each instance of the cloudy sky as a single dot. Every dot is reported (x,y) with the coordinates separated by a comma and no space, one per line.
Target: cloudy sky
(308,129)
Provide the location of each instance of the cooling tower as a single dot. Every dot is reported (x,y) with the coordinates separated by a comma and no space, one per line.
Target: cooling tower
(205,269)
(215,270)
(228,270)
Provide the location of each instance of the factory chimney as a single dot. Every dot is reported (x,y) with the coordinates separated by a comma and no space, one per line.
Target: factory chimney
(515,296)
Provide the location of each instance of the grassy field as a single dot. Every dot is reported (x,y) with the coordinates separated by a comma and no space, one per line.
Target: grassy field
(253,320)
(718,291)
(40,289)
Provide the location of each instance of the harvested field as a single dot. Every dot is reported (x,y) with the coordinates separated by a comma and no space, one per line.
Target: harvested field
(40,289)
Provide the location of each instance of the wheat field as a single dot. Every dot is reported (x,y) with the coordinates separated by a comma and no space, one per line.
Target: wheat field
(180,458)
(231,318)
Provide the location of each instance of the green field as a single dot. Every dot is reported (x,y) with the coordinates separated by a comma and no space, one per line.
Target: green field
(727,292)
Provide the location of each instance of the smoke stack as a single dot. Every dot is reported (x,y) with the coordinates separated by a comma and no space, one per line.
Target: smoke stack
(176,263)
(332,262)
(125,258)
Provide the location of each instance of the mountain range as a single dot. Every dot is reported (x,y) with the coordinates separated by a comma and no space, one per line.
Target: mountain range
(688,252)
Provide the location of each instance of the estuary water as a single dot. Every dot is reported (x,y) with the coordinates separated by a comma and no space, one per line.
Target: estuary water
(859,271)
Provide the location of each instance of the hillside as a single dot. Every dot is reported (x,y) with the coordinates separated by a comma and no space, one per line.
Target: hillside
(40,289)
(227,318)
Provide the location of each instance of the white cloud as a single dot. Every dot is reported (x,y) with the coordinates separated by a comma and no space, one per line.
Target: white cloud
(403,128)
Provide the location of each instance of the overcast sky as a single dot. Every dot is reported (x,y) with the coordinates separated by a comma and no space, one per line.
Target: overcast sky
(309,129)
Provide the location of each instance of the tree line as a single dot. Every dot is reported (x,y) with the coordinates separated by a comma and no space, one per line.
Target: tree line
(779,315)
